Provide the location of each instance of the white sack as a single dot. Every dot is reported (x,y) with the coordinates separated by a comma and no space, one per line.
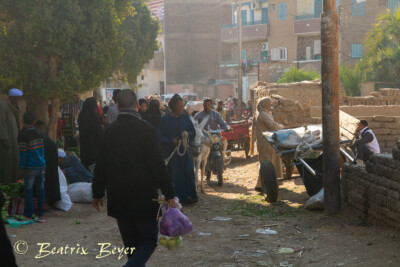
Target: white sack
(80,192)
(65,203)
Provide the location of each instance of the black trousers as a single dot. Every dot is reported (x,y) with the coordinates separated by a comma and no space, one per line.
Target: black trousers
(362,152)
(140,234)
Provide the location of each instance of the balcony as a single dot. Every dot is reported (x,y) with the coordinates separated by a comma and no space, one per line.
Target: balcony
(251,30)
(305,24)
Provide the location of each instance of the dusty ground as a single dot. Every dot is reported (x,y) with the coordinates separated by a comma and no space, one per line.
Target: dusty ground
(317,240)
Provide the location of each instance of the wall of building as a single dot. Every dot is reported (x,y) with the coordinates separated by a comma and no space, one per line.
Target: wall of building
(355,28)
(281,31)
(151,83)
(192,40)
(304,41)
(305,7)
(252,49)
(373,190)
(272,71)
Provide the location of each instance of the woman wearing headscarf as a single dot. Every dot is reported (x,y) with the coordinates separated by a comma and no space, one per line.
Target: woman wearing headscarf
(265,122)
(153,114)
(180,167)
(89,127)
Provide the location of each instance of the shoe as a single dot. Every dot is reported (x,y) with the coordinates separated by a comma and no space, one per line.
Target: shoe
(191,200)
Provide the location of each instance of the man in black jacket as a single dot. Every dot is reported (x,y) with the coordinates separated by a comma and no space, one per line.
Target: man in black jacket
(130,167)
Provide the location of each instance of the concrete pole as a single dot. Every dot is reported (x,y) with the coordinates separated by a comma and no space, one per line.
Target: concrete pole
(240,74)
(330,106)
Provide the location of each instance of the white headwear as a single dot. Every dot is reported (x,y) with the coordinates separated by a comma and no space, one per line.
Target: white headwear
(61,153)
(15,92)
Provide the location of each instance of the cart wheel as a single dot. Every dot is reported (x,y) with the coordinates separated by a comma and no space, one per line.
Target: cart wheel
(247,149)
(208,176)
(220,169)
(269,181)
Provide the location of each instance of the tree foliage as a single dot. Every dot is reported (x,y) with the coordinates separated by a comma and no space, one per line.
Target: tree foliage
(382,62)
(298,75)
(140,33)
(351,79)
(59,48)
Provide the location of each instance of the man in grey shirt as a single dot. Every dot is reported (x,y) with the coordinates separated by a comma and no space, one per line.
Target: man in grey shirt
(113,110)
(215,120)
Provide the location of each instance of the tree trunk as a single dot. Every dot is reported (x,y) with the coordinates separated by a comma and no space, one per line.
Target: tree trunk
(53,117)
(40,107)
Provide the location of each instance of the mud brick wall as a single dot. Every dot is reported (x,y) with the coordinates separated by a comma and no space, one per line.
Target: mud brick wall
(291,113)
(374,190)
(385,96)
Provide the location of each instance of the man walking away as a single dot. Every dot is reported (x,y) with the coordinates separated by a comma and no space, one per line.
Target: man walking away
(9,127)
(32,161)
(113,110)
(130,167)
(366,143)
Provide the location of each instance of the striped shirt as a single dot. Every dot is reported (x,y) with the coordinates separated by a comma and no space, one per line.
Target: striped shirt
(31,150)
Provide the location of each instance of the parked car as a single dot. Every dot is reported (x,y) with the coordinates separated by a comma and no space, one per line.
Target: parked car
(188,96)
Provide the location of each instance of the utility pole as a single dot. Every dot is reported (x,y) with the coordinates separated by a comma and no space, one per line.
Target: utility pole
(240,74)
(330,106)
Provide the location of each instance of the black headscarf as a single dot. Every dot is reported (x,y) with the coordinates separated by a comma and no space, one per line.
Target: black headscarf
(141,101)
(174,100)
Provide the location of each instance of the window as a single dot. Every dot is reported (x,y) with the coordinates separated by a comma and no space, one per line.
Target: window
(393,5)
(243,55)
(233,14)
(244,17)
(264,56)
(142,77)
(264,15)
(279,53)
(251,15)
(317,8)
(358,10)
(356,51)
(282,11)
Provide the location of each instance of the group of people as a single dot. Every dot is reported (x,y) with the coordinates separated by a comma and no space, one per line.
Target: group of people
(130,165)
(129,144)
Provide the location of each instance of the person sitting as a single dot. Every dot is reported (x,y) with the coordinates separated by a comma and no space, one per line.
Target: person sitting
(366,143)
(221,110)
(215,120)
(73,169)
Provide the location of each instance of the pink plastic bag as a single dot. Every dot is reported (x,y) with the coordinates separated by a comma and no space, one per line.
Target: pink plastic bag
(174,222)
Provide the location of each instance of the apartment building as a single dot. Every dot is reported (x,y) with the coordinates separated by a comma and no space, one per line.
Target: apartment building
(282,33)
(192,39)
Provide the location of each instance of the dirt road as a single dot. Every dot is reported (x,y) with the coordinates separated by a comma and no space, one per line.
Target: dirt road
(315,239)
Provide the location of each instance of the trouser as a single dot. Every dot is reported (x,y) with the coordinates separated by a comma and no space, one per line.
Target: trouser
(32,176)
(140,234)
(362,152)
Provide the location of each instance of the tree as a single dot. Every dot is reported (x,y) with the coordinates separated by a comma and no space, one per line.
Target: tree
(382,61)
(351,79)
(298,75)
(140,33)
(57,49)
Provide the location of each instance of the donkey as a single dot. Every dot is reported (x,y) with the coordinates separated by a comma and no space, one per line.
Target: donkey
(200,149)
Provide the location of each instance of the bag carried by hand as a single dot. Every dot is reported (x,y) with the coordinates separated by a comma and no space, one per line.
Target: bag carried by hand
(174,222)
